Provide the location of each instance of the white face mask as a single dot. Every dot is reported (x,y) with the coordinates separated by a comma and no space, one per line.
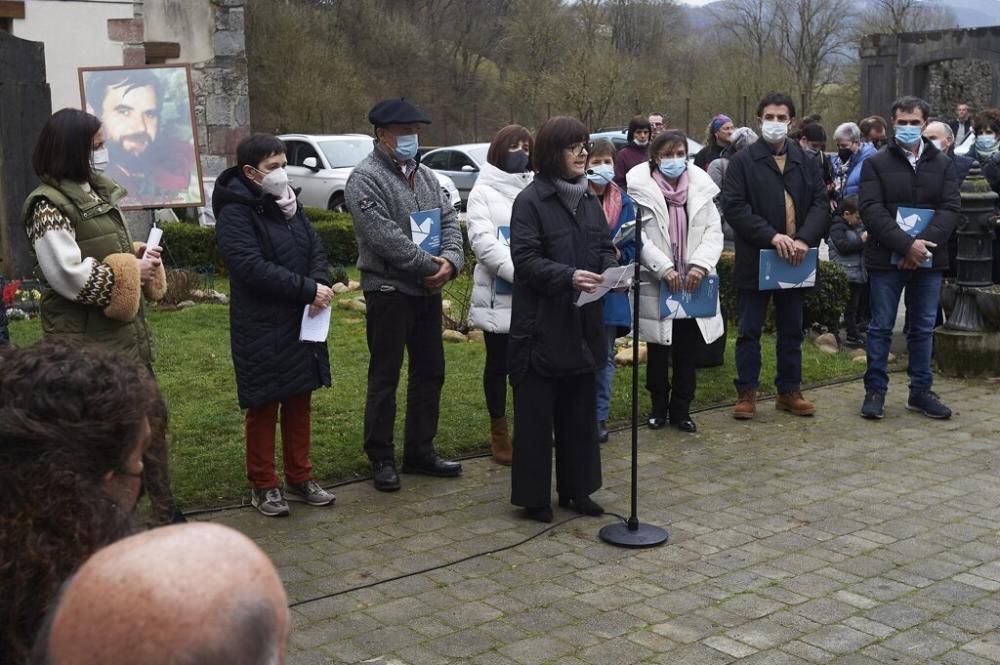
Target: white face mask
(99,160)
(275,183)
(774,131)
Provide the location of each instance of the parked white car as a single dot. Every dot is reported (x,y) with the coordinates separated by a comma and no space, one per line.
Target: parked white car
(319,165)
(461,163)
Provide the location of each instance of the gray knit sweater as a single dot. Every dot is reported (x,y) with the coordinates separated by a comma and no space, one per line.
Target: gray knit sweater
(380,200)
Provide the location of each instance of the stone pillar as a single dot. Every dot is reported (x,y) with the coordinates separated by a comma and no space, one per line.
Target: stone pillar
(221,90)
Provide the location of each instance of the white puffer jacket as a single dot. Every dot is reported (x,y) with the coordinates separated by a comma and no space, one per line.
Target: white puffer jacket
(704,246)
(488,211)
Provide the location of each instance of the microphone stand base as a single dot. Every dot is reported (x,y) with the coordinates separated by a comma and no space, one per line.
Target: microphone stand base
(634,535)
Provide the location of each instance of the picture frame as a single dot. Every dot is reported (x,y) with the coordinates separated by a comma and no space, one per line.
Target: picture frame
(148,122)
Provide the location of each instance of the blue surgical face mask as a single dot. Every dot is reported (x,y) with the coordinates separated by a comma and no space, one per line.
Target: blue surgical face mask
(674,167)
(601,174)
(986,141)
(406,147)
(908,135)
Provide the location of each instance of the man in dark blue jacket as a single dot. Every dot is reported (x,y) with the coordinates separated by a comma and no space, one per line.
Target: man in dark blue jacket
(908,173)
(774,197)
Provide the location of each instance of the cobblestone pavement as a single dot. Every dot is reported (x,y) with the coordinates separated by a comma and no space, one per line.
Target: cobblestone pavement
(823,540)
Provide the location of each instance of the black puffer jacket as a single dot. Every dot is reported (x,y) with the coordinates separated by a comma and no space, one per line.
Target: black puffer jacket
(274,265)
(753,202)
(548,332)
(888,182)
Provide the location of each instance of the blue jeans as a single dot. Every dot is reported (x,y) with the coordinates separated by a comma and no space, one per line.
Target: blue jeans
(923,289)
(788,312)
(605,376)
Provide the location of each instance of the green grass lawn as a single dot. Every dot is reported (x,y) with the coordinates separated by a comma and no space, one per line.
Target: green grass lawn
(195,371)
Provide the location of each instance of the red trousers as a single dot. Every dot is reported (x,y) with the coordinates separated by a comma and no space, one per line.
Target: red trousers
(295,424)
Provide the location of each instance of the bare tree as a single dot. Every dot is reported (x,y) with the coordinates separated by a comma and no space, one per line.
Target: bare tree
(814,40)
(896,16)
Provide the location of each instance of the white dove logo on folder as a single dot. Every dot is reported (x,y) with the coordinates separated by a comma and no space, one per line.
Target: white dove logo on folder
(425,230)
(421,230)
(907,223)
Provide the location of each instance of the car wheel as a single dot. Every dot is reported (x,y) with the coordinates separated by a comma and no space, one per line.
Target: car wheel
(337,203)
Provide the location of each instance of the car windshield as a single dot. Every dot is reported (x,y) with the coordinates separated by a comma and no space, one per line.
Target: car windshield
(478,153)
(346,153)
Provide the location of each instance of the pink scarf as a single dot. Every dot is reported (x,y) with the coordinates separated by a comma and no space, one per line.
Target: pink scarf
(678,227)
(612,204)
(288,203)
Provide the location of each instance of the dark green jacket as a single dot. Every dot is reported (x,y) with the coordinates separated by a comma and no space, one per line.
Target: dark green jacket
(101,233)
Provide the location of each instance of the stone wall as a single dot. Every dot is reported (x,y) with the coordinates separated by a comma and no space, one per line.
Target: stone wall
(952,82)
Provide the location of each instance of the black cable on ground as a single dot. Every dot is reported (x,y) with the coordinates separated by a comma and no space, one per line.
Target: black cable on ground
(440,566)
(620,428)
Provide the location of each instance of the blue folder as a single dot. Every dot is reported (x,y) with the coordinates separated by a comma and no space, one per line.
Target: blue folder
(703,303)
(776,273)
(425,230)
(913,221)
(503,287)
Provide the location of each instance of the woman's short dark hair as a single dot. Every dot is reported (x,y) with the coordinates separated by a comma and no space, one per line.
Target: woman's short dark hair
(63,149)
(636,123)
(602,148)
(666,139)
(509,136)
(551,139)
(256,148)
(69,415)
(775,98)
(987,119)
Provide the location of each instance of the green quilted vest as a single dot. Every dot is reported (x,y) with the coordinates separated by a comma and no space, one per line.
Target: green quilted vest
(100,230)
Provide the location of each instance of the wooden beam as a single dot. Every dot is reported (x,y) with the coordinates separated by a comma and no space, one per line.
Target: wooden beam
(161,51)
(11,9)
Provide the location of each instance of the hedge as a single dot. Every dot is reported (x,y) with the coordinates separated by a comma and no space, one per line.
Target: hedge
(192,246)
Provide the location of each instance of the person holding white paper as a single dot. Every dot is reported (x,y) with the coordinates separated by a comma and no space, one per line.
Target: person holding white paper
(505,174)
(907,186)
(773,197)
(277,268)
(682,243)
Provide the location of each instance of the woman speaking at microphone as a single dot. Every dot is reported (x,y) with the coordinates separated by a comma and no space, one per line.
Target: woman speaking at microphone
(560,245)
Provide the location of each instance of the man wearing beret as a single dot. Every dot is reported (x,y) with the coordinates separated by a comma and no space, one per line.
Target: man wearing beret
(409,246)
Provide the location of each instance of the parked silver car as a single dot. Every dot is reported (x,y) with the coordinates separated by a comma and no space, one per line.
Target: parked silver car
(461,163)
(617,137)
(320,164)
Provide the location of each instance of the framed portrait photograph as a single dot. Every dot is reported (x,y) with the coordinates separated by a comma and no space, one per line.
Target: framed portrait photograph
(147,116)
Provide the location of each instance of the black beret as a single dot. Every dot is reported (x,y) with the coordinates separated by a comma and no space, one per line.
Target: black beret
(814,132)
(396,112)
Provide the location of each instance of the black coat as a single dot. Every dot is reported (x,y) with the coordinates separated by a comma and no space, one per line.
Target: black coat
(274,265)
(548,333)
(888,182)
(753,203)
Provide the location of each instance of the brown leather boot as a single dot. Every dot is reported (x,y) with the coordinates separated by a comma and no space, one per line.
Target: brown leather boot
(795,404)
(746,405)
(503,452)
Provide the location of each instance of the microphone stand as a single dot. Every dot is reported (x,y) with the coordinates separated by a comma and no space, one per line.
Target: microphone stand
(633,533)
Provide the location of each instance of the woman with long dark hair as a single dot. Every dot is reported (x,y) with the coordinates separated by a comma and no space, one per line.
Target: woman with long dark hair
(503,176)
(74,427)
(95,276)
(560,245)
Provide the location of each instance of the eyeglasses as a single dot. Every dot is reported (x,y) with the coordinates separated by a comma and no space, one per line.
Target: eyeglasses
(576,149)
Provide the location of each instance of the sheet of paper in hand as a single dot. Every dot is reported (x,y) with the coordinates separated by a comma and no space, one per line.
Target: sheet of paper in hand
(702,303)
(776,273)
(425,230)
(503,287)
(913,221)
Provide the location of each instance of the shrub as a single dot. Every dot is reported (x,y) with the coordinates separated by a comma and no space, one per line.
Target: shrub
(191,246)
(823,304)
(181,282)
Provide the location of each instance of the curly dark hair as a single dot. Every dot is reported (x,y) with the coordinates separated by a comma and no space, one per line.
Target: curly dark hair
(70,414)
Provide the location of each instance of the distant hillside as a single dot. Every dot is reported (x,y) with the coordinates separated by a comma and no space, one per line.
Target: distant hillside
(970,13)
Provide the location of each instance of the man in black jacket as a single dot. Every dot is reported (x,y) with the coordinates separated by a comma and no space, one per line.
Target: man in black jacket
(908,173)
(773,197)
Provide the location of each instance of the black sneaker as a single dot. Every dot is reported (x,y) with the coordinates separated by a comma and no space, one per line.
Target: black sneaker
(874,406)
(385,476)
(855,341)
(602,431)
(928,403)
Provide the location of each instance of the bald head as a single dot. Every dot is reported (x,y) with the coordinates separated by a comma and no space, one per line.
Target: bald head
(192,594)
(939,134)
